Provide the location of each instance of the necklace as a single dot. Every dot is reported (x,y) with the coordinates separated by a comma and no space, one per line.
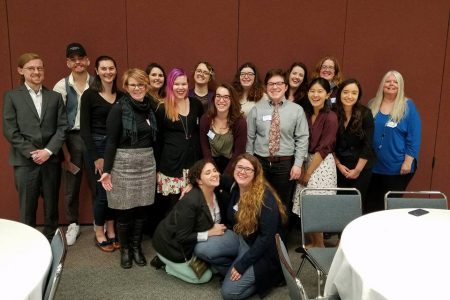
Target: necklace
(185,128)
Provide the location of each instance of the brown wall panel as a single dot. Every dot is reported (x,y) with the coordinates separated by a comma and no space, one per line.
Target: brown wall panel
(380,38)
(182,33)
(9,206)
(440,176)
(277,33)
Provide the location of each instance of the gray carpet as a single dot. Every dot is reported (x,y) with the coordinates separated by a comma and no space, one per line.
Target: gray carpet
(92,274)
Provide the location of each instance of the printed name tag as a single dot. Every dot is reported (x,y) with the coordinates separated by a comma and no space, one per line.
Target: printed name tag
(148,121)
(267,118)
(391,124)
(211,134)
(333,100)
(235,207)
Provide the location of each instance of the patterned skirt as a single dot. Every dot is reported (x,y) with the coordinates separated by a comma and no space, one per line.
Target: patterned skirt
(133,178)
(167,185)
(324,176)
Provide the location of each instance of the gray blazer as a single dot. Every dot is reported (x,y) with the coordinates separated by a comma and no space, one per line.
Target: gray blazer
(26,132)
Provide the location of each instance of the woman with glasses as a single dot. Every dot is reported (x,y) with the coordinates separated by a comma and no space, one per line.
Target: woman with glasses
(320,169)
(203,84)
(353,153)
(195,222)
(256,214)
(178,120)
(157,87)
(129,173)
(223,129)
(248,86)
(329,69)
(96,102)
(277,134)
(297,80)
(396,139)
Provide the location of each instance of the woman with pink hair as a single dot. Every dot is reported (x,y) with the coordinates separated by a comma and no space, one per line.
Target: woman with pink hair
(178,125)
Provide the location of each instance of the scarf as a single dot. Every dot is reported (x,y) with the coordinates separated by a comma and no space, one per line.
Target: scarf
(129,106)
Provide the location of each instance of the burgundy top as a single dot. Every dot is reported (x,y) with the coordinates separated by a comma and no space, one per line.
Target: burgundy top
(239,131)
(322,134)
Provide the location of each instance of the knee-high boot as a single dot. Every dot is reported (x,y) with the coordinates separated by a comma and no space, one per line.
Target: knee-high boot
(136,241)
(125,251)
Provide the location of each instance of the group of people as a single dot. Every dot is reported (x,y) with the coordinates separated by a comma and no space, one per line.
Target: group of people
(236,154)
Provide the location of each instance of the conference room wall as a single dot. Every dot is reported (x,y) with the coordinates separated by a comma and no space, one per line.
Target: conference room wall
(367,38)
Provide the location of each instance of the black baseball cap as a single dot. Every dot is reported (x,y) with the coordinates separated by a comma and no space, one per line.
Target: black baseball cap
(75,49)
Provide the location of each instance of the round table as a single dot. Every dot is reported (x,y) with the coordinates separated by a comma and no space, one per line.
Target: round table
(393,255)
(25,259)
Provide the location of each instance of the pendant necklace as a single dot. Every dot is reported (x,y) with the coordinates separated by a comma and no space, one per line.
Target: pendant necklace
(185,128)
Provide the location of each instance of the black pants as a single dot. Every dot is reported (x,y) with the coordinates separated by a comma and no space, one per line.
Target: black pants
(34,181)
(380,185)
(361,184)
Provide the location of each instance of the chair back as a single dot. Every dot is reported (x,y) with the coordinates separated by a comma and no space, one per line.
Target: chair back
(59,250)
(296,289)
(415,199)
(328,210)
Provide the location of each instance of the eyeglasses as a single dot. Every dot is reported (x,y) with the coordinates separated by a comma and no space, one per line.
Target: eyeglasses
(200,72)
(32,69)
(247,74)
(246,170)
(133,86)
(223,97)
(277,84)
(324,67)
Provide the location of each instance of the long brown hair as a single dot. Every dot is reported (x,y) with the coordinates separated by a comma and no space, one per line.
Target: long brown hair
(235,107)
(256,90)
(251,201)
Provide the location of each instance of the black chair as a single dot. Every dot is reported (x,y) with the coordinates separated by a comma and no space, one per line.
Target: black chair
(418,199)
(59,251)
(326,210)
(296,289)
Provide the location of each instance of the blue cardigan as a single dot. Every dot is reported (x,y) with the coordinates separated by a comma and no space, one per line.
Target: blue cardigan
(392,141)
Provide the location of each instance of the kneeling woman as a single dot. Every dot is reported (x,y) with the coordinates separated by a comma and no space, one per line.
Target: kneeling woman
(256,213)
(194,219)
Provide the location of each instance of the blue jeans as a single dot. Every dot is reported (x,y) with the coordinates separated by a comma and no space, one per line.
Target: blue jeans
(219,251)
(245,286)
(101,210)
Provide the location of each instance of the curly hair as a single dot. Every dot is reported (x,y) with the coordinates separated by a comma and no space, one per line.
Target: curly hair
(338,76)
(251,201)
(256,90)
(235,107)
(195,171)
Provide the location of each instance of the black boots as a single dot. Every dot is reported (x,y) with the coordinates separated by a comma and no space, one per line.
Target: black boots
(136,240)
(125,251)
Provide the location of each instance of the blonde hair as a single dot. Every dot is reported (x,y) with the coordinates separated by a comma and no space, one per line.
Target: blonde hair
(251,201)
(24,59)
(139,75)
(399,109)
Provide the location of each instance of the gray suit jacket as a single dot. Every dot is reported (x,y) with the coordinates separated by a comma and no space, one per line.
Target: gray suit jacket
(24,129)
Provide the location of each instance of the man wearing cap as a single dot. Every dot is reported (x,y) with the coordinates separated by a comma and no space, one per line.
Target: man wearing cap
(71,88)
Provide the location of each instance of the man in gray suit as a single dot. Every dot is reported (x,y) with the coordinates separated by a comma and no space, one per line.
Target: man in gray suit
(34,122)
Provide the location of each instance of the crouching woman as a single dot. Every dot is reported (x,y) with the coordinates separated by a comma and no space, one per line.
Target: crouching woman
(194,219)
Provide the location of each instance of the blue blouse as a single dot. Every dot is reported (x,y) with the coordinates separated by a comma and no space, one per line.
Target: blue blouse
(392,141)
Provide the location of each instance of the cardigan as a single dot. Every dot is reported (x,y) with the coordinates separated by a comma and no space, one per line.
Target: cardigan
(239,131)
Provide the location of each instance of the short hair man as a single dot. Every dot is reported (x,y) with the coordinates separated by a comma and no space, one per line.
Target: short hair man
(71,88)
(34,123)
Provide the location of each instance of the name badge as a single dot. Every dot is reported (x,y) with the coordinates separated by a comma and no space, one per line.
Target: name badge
(148,121)
(235,207)
(391,124)
(211,134)
(267,118)
(333,100)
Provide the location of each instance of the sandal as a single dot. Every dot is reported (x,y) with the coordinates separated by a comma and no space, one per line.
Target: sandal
(114,242)
(105,246)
